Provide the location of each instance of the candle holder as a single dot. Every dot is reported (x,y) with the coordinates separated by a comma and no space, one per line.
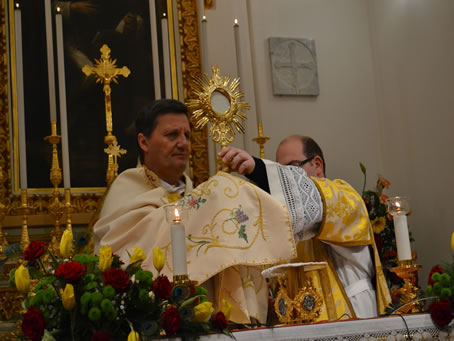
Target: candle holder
(55,206)
(25,210)
(409,292)
(398,207)
(261,140)
(68,208)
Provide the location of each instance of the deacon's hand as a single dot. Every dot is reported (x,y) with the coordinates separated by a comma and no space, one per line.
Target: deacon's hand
(239,160)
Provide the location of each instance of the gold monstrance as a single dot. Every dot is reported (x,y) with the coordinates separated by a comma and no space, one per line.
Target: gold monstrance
(217,101)
(106,71)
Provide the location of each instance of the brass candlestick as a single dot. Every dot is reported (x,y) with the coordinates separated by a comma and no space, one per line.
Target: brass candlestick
(25,210)
(68,209)
(261,140)
(55,206)
(409,292)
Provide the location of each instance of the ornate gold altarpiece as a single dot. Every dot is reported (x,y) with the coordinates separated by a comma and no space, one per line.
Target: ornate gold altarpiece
(86,202)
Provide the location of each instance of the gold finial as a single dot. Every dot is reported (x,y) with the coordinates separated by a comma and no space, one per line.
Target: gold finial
(106,71)
(261,140)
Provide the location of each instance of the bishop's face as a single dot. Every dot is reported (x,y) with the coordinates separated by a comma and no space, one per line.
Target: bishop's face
(166,151)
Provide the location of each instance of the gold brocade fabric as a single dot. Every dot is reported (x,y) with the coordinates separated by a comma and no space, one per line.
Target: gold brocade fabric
(232,228)
(346,223)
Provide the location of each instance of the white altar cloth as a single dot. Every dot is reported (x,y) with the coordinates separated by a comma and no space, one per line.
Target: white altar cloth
(390,328)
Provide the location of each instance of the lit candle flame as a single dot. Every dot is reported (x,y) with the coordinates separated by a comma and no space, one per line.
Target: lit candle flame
(177,215)
(204,18)
(58,10)
(17,5)
(236,21)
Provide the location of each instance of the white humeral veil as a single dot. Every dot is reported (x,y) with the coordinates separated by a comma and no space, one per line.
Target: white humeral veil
(233,228)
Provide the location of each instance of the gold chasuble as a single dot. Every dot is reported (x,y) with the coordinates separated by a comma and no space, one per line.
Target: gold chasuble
(232,228)
(345,223)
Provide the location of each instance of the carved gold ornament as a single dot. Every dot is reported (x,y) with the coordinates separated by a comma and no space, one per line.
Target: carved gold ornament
(217,101)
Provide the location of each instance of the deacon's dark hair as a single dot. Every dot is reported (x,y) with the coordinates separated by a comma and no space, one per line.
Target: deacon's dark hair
(147,117)
(312,149)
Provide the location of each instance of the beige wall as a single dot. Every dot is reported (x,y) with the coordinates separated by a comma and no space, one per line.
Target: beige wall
(386,94)
(414,58)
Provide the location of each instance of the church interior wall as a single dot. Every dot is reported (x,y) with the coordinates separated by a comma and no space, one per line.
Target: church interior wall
(386,78)
(415,72)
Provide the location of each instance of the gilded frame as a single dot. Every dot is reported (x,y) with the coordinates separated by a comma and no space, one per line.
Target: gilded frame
(87,203)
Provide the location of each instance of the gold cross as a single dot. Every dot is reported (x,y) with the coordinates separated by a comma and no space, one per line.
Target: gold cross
(106,71)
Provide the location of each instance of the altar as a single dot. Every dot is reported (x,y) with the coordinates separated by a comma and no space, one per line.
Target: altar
(397,327)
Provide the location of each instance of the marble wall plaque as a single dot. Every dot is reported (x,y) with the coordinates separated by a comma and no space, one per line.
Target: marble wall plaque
(293,66)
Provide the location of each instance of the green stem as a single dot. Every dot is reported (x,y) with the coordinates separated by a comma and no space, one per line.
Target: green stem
(73,324)
(364,185)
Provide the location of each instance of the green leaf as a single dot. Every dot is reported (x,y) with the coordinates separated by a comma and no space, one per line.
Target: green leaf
(242,233)
(363,168)
(189,301)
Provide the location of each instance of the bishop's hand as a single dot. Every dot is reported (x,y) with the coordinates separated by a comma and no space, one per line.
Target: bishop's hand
(239,160)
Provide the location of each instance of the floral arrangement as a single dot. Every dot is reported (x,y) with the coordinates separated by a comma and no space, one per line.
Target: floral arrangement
(383,227)
(440,286)
(96,298)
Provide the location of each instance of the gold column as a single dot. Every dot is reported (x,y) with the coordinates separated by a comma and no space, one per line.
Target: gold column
(3,211)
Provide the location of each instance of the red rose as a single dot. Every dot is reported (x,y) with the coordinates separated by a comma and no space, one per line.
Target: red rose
(390,254)
(219,321)
(34,250)
(435,269)
(170,321)
(378,241)
(72,272)
(100,336)
(441,312)
(117,278)
(162,287)
(33,323)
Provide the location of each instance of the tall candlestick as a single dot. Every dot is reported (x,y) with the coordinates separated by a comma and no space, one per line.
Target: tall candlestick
(204,45)
(166,55)
(20,98)
(62,94)
(154,49)
(178,236)
(398,207)
(50,61)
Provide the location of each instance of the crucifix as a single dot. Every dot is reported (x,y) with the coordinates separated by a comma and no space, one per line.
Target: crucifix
(106,71)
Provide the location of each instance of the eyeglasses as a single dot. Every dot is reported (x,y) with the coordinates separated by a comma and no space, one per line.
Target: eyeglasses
(301,163)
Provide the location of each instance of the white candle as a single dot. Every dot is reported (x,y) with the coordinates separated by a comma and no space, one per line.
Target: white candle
(402,237)
(62,94)
(178,246)
(204,45)
(166,54)
(20,98)
(50,61)
(154,49)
